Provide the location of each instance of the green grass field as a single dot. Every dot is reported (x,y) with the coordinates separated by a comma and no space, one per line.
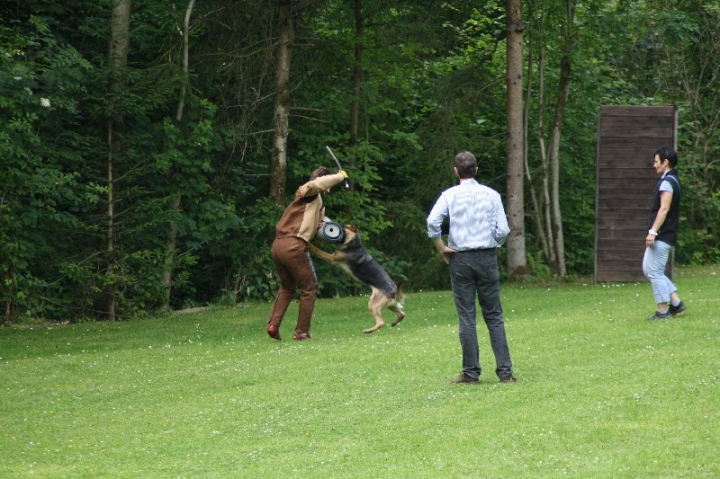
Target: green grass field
(601,392)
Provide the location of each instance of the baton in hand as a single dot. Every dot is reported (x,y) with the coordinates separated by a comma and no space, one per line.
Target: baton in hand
(346,184)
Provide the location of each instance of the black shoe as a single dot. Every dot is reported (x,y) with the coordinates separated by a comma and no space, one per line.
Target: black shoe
(677,309)
(659,315)
(508,379)
(464,379)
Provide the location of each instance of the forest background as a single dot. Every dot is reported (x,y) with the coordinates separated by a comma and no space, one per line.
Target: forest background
(147,149)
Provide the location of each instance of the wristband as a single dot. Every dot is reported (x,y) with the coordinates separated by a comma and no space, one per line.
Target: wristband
(653,233)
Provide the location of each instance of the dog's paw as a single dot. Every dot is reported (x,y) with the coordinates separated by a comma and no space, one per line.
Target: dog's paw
(397,321)
(373,329)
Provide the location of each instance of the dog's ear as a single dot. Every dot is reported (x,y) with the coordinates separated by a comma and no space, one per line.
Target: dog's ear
(352,228)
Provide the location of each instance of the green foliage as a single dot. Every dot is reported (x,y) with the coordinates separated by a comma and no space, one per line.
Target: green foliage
(248,272)
(670,59)
(256,280)
(698,241)
(41,194)
(432,83)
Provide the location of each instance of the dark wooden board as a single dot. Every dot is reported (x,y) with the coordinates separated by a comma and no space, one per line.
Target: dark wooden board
(627,139)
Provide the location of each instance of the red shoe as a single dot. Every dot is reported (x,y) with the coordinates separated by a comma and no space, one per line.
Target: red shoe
(300,336)
(274,332)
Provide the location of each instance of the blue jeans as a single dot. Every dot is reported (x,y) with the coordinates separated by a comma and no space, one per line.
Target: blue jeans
(476,273)
(654,263)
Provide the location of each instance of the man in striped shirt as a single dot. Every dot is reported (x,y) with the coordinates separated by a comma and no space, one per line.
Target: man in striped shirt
(477,227)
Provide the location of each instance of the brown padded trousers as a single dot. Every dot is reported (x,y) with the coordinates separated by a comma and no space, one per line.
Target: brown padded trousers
(295,268)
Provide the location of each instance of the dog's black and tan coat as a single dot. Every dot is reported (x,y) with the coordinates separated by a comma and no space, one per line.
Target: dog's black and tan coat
(357,262)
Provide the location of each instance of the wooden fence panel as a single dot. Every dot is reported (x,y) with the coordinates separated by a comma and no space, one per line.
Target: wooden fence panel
(627,138)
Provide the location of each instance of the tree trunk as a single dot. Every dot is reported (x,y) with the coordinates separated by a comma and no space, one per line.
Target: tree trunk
(119,46)
(6,288)
(545,212)
(562,97)
(176,198)
(516,257)
(537,206)
(564,90)
(357,82)
(185,60)
(278,165)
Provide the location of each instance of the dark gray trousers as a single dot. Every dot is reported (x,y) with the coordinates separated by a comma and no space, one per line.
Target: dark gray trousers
(476,273)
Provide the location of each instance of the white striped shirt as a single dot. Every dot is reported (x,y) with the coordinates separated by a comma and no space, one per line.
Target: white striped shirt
(477,217)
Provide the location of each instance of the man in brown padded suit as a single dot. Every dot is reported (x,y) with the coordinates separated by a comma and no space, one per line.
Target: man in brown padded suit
(293,263)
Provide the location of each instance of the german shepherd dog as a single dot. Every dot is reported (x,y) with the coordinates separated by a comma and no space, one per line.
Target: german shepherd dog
(357,262)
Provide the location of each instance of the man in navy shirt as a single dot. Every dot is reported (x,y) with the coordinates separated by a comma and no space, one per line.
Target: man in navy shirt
(662,235)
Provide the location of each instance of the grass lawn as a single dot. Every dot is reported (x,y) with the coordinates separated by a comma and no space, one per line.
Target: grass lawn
(601,392)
